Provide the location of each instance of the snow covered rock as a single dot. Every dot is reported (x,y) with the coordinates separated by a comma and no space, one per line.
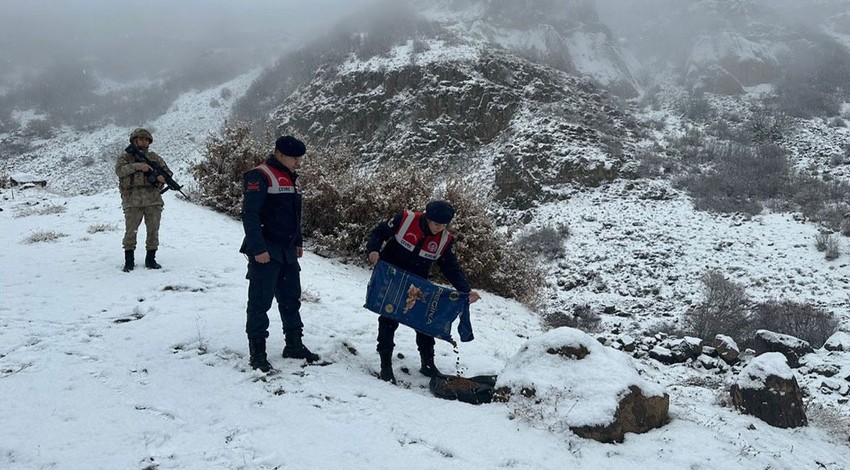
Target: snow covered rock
(21,179)
(767,389)
(790,347)
(839,341)
(727,349)
(727,63)
(565,379)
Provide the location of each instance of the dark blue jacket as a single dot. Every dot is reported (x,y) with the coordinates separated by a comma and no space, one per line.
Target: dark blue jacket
(410,261)
(272,221)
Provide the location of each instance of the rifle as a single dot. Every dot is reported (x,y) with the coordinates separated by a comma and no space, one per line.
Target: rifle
(156,171)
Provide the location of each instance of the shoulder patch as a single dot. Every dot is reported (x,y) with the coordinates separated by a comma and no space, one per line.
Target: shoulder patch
(251,186)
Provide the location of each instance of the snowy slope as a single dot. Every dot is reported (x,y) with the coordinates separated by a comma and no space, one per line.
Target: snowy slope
(78,162)
(148,369)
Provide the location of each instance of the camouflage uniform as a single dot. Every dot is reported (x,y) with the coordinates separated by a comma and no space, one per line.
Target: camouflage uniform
(139,199)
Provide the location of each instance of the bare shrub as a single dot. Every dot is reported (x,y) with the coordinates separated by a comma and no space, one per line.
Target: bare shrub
(39,236)
(766,125)
(836,121)
(819,200)
(832,248)
(697,108)
(821,240)
(219,175)
(102,227)
(741,179)
(581,317)
(845,226)
(723,310)
(47,209)
(214,103)
(816,78)
(546,241)
(486,256)
(41,128)
(650,163)
(342,204)
(804,321)
(225,93)
(829,418)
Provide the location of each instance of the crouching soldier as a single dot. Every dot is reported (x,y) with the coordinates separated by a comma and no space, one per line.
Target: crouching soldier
(414,240)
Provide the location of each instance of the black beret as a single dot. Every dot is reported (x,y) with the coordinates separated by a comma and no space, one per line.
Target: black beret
(290,146)
(440,212)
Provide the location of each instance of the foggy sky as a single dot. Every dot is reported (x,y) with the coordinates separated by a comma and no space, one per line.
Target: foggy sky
(126,38)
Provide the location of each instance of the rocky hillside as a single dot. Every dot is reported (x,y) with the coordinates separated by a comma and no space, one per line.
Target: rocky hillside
(566,35)
(456,105)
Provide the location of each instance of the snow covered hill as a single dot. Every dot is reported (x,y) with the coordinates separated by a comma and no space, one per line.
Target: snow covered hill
(148,369)
(104,369)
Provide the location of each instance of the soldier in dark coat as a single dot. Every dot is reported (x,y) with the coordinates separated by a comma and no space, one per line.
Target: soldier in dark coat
(271,217)
(140,199)
(414,241)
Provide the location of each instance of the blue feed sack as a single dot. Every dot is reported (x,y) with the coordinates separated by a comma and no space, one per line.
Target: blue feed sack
(418,303)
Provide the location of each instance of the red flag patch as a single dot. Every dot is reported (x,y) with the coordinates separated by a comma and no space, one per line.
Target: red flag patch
(252,186)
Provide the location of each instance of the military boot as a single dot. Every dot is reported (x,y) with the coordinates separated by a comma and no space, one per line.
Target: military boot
(428,368)
(257,348)
(387,367)
(129,261)
(150,260)
(295,349)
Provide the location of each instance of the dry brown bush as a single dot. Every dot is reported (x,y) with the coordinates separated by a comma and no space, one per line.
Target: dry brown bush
(219,176)
(723,311)
(804,321)
(343,203)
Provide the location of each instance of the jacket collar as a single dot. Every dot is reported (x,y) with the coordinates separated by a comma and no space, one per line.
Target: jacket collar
(273,162)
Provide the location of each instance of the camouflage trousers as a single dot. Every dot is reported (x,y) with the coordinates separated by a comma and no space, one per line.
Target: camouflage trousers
(133,217)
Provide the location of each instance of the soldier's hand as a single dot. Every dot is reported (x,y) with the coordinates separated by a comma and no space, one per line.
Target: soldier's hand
(263,257)
(373,257)
(161,179)
(474,297)
(299,251)
(144,167)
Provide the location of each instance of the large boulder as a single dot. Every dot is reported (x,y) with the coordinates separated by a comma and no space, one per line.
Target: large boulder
(790,347)
(565,379)
(839,341)
(727,349)
(767,389)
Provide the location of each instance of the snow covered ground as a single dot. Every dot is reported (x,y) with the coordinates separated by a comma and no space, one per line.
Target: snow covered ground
(104,369)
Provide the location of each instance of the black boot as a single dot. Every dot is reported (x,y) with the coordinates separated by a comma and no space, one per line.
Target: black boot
(387,366)
(257,348)
(428,368)
(150,260)
(129,261)
(295,349)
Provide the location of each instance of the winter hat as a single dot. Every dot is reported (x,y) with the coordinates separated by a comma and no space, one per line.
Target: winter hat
(440,212)
(290,146)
